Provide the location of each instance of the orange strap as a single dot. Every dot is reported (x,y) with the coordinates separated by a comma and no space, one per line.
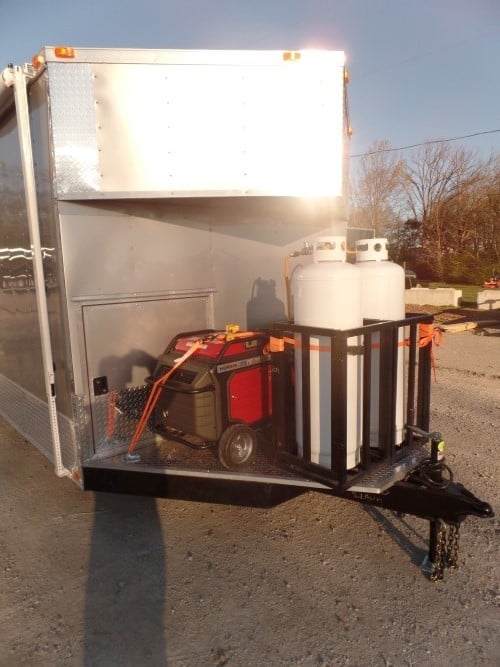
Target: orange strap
(278,345)
(430,335)
(154,395)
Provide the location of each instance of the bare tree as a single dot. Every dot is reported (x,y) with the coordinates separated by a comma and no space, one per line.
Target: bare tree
(472,215)
(491,210)
(438,180)
(377,189)
(439,208)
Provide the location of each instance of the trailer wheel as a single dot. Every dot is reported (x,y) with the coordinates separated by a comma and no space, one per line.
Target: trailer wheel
(237,446)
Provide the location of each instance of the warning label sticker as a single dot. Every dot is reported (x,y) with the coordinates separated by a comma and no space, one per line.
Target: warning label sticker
(233,365)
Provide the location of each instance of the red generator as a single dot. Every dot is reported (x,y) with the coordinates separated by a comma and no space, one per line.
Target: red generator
(219,396)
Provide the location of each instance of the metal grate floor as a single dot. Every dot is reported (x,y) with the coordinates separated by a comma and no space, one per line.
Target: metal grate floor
(171,457)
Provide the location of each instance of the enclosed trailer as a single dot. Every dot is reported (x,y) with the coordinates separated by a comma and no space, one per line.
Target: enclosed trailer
(151,192)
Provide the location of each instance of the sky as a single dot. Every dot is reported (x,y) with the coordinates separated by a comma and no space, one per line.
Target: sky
(420,70)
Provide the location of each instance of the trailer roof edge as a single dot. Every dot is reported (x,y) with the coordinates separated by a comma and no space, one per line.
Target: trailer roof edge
(193,56)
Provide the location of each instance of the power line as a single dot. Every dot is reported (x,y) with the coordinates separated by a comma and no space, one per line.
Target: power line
(424,143)
(442,48)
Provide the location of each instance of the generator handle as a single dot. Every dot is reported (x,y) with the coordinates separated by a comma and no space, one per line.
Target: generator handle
(182,390)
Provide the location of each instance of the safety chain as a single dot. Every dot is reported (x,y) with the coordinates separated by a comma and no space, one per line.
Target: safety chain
(452,545)
(446,549)
(439,563)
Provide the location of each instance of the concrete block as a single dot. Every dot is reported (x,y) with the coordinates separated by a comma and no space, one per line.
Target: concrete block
(437,296)
(488,299)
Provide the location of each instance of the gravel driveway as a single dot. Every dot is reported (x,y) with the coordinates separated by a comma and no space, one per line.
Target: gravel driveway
(101,579)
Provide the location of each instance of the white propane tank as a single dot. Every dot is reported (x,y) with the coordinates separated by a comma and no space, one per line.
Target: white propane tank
(327,293)
(382,298)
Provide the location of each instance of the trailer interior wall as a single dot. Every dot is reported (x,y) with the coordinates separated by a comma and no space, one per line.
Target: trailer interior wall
(138,272)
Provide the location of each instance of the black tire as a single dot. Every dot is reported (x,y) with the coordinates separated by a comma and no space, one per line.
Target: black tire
(237,447)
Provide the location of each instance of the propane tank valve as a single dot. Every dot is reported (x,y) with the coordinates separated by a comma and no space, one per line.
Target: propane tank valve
(307,249)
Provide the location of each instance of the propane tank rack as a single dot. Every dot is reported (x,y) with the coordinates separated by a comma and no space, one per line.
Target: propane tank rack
(401,476)
(388,462)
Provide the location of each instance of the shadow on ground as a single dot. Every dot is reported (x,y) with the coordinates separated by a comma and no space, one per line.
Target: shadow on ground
(395,527)
(124,609)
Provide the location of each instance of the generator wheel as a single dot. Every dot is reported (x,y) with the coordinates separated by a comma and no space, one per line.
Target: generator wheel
(237,446)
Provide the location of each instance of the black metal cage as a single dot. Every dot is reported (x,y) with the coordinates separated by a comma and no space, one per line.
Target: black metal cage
(387,337)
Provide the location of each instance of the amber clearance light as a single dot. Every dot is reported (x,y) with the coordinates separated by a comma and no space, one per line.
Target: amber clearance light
(291,55)
(64,52)
(38,61)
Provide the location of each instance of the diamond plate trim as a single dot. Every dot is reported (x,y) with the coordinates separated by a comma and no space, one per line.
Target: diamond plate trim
(30,415)
(381,479)
(74,129)
(115,417)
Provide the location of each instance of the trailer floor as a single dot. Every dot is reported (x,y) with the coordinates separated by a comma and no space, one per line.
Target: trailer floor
(162,456)
(159,455)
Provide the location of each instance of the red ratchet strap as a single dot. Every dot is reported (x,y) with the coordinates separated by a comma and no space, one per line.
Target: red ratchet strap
(154,395)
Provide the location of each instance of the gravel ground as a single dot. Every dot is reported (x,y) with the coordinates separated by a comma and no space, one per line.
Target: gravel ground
(102,579)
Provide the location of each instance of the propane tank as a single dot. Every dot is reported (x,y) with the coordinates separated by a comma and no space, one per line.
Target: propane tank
(382,298)
(327,293)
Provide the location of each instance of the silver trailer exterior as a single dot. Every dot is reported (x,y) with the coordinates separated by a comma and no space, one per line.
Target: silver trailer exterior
(144,193)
